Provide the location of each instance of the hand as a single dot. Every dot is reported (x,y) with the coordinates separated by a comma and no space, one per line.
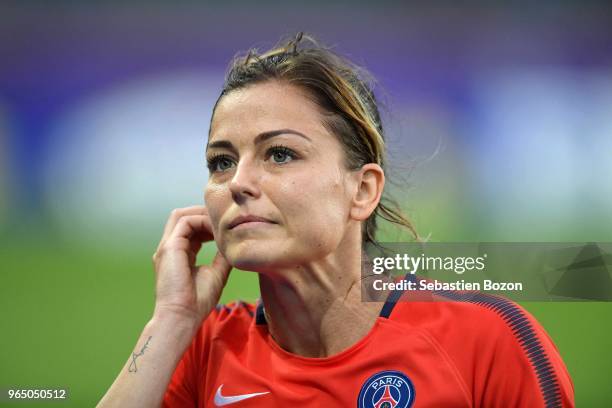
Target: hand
(183,289)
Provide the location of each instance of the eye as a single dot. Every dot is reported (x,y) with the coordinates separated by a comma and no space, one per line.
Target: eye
(281,154)
(220,163)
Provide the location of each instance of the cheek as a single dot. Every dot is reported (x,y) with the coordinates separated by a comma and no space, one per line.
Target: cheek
(214,197)
(335,202)
(322,207)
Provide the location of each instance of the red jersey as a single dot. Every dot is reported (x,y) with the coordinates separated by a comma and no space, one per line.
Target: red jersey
(470,351)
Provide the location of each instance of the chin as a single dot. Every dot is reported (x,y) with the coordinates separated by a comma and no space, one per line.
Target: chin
(251,266)
(255,264)
(252,256)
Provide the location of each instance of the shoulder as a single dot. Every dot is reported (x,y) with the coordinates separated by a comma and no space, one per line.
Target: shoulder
(234,310)
(499,348)
(471,313)
(229,321)
(224,321)
(470,327)
(234,316)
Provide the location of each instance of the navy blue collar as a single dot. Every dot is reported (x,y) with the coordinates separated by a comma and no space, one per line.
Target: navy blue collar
(392,299)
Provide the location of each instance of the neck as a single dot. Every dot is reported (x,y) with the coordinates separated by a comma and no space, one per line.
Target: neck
(316,310)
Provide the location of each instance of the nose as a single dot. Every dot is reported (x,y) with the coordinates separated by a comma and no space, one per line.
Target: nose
(244,183)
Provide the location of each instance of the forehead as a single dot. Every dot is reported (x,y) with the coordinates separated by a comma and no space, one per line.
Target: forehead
(263,107)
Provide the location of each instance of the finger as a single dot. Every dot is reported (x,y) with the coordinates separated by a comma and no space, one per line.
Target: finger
(194,228)
(177,213)
(194,248)
(214,277)
(188,235)
(221,264)
(175,216)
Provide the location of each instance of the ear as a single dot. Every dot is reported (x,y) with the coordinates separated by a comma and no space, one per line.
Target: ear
(370,184)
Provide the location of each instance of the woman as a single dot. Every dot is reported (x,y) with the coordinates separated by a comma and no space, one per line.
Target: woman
(296,158)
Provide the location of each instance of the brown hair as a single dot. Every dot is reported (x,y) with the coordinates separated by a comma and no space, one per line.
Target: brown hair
(344,95)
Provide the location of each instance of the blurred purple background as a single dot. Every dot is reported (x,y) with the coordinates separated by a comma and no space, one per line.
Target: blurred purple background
(501,116)
(499,121)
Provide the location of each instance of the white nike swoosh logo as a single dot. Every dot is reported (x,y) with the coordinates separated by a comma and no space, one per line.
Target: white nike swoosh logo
(221,400)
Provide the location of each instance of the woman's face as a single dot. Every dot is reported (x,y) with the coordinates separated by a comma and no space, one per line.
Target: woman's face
(271,157)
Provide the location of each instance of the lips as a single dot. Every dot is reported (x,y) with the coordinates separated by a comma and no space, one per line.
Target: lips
(241,219)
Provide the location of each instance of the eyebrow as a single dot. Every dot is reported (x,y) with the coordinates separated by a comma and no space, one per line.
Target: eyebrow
(262,137)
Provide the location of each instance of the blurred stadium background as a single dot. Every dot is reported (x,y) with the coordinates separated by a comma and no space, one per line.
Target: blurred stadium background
(499,118)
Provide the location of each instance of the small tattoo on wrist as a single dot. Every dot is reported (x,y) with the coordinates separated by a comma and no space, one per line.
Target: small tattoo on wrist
(132,368)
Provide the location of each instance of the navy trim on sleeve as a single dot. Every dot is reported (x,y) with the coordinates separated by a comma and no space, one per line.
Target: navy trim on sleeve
(526,337)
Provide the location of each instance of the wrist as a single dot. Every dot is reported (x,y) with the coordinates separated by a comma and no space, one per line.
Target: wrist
(176,316)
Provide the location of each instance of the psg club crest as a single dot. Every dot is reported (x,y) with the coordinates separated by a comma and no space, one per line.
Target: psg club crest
(386,389)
